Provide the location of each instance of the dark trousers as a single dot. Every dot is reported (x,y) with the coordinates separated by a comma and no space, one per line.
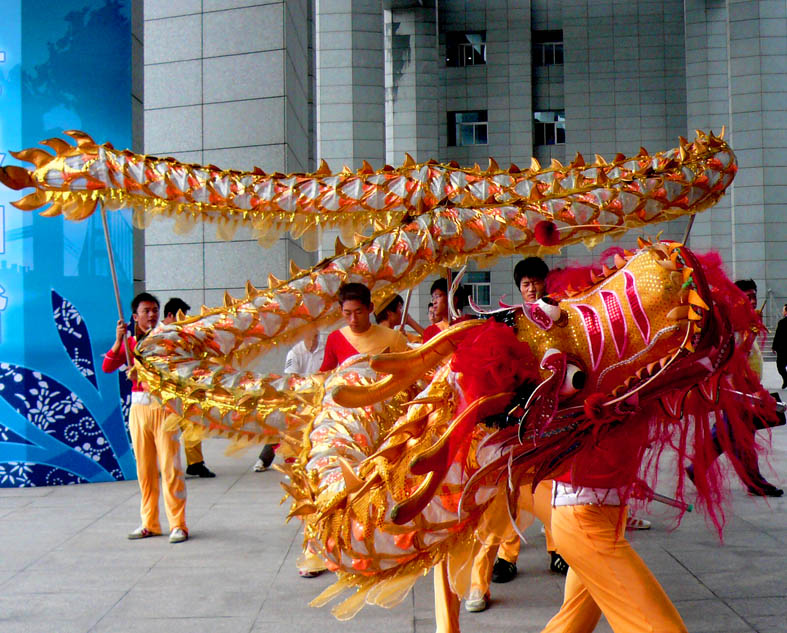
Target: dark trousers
(267,454)
(781,365)
(744,450)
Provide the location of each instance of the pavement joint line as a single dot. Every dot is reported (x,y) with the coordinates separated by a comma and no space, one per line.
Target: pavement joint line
(273,579)
(131,588)
(716,596)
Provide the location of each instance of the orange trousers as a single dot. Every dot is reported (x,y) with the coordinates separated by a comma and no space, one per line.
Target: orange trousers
(499,538)
(606,576)
(495,521)
(154,449)
(193,453)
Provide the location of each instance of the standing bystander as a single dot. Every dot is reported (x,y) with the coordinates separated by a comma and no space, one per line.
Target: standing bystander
(780,346)
(304,359)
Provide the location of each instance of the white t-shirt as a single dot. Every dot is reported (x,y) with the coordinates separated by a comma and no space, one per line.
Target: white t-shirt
(303,362)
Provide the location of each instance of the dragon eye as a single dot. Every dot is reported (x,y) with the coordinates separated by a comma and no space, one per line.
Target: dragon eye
(574,381)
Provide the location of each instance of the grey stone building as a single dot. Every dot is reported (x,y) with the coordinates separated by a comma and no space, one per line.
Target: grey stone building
(280,85)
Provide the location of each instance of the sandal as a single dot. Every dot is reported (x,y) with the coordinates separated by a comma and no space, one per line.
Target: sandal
(635,523)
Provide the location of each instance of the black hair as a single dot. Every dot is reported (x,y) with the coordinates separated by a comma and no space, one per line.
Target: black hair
(143,296)
(355,292)
(173,305)
(391,306)
(439,284)
(460,296)
(532,267)
(746,284)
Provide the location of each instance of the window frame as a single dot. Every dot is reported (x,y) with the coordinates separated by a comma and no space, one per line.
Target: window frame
(482,285)
(547,46)
(456,127)
(546,130)
(461,54)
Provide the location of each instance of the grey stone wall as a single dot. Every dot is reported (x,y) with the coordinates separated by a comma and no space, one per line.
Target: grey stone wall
(736,62)
(225,83)
(240,83)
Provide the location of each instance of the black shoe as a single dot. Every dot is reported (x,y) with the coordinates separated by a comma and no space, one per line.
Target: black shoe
(199,470)
(503,571)
(690,473)
(765,489)
(557,563)
(267,455)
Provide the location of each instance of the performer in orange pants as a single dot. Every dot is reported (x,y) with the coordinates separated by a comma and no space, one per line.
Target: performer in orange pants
(156,449)
(606,574)
(154,446)
(492,524)
(195,461)
(499,539)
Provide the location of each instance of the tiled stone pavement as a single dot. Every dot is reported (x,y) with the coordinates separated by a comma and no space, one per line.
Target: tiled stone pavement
(66,566)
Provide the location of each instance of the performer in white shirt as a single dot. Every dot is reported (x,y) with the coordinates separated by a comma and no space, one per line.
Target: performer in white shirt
(304,358)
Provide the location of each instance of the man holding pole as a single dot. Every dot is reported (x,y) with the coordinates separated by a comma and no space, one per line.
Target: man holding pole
(154,446)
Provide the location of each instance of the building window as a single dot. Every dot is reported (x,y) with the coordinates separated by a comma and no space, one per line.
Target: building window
(465,49)
(467,128)
(547,48)
(550,128)
(480,285)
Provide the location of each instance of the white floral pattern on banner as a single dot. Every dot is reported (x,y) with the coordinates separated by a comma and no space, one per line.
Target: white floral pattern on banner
(74,336)
(29,474)
(54,409)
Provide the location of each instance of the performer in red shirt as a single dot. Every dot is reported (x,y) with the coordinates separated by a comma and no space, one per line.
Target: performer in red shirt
(439,294)
(153,444)
(359,336)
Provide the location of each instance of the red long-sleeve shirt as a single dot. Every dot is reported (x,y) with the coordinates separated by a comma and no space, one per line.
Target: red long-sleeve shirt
(115,360)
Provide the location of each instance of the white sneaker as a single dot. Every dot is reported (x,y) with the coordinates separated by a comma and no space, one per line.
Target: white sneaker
(259,466)
(141,532)
(178,536)
(476,602)
(635,523)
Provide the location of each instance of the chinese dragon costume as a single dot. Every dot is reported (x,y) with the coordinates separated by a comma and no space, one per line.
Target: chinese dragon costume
(394,458)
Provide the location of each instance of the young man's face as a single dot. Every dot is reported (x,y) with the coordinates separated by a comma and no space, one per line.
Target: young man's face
(169,318)
(146,315)
(357,315)
(397,314)
(751,295)
(532,288)
(440,305)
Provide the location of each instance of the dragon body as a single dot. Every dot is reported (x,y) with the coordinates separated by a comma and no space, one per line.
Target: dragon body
(395,457)
(435,216)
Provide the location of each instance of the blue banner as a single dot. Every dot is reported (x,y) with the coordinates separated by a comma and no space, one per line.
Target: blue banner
(64,65)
